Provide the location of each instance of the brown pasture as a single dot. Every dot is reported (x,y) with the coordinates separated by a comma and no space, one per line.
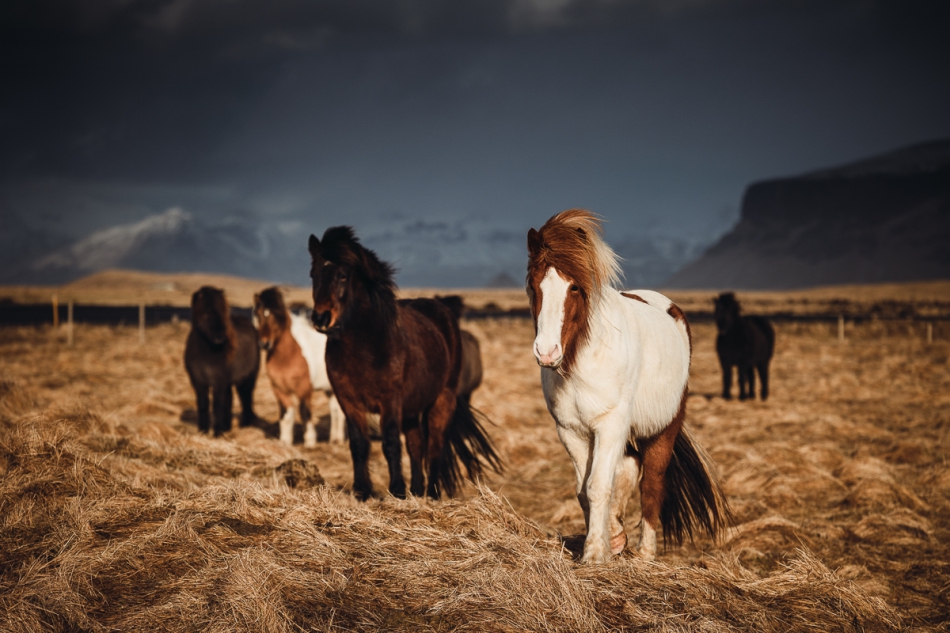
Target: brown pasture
(117,516)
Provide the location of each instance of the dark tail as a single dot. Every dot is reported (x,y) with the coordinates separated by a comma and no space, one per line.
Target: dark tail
(466,442)
(693,497)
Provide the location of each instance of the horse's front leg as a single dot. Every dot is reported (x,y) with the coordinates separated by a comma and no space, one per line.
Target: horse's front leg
(577,445)
(222,400)
(610,441)
(727,380)
(359,451)
(415,446)
(390,424)
(288,406)
(744,382)
(204,407)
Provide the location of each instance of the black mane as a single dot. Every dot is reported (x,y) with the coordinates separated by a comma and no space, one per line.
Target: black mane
(341,246)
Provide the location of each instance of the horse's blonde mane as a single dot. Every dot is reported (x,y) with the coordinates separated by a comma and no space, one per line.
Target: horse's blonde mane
(572,242)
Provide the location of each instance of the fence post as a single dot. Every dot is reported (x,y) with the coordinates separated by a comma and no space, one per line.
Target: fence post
(141,323)
(840,328)
(930,332)
(69,323)
(55,312)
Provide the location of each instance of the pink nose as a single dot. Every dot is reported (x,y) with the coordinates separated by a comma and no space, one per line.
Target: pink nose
(548,358)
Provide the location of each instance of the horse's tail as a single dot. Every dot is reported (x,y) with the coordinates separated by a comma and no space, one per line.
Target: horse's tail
(694,498)
(465,442)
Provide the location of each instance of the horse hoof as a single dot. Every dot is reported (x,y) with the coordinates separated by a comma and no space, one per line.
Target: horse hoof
(618,543)
(646,555)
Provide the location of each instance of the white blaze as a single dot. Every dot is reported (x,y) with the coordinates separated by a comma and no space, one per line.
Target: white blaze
(547,344)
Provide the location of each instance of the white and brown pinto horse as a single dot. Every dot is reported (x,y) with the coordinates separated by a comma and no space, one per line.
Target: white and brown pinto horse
(614,371)
(296,366)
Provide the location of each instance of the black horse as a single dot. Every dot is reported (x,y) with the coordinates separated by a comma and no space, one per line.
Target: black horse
(221,351)
(746,342)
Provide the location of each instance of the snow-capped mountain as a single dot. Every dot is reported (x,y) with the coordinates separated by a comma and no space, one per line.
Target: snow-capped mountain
(466,252)
(176,241)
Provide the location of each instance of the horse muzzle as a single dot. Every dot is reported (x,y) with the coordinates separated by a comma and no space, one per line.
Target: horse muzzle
(265,345)
(322,321)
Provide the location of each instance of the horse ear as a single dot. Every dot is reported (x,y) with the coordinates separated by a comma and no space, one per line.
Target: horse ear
(313,245)
(534,242)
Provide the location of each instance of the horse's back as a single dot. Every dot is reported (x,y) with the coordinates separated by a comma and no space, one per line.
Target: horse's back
(313,346)
(667,312)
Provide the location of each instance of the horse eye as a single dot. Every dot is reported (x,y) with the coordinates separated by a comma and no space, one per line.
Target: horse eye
(266,312)
(574,288)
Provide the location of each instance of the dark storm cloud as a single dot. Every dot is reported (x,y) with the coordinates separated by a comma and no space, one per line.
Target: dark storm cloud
(421,122)
(90,84)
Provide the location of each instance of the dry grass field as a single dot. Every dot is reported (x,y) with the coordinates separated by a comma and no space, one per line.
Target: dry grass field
(115,515)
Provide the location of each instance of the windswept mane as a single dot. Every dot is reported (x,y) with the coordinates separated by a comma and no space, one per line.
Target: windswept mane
(272,299)
(341,246)
(572,242)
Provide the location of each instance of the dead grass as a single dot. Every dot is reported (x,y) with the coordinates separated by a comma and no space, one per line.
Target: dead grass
(117,516)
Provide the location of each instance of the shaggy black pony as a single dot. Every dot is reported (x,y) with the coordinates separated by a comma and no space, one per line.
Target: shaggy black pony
(746,342)
(221,351)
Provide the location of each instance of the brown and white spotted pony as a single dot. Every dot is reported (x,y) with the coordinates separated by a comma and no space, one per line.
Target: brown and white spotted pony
(296,366)
(614,371)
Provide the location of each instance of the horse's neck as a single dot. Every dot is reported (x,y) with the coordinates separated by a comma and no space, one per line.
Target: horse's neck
(285,346)
(606,324)
(374,333)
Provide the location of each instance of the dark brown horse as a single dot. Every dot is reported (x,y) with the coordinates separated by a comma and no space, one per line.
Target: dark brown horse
(400,360)
(744,342)
(221,352)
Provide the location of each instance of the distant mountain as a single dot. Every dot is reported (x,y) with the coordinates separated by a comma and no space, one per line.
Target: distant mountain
(883,219)
(173,241)
(435,253)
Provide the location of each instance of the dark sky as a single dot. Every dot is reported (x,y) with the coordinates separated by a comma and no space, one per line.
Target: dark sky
(446,119)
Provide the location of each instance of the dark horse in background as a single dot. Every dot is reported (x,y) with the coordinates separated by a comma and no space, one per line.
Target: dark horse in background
(746,342)
(221,352)
(398,359)
(470,377)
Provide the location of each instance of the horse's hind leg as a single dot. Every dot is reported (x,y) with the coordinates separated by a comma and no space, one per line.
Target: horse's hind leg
(656,453)
(310,426)
(437,422)
(625,482)
(750,378)
(764,379)
(223,401)
(337,419)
